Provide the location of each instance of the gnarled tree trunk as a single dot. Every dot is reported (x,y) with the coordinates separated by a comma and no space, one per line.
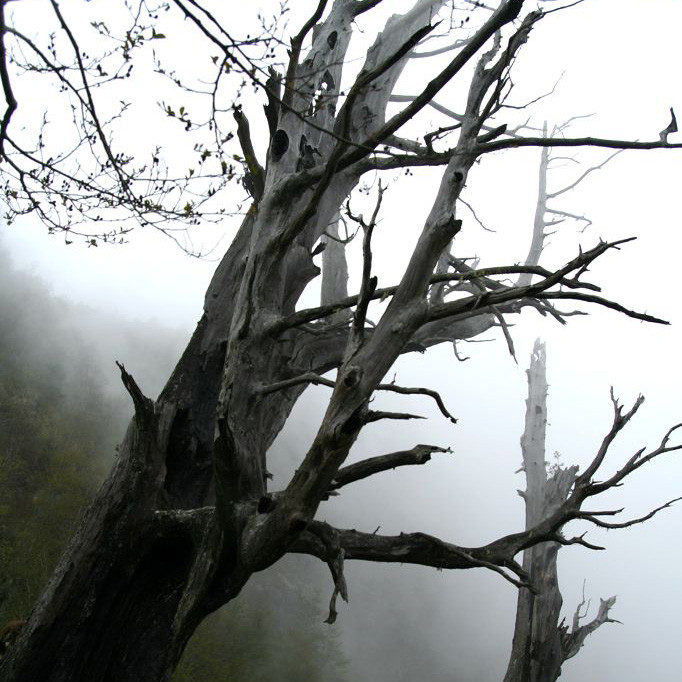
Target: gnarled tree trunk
(186,516)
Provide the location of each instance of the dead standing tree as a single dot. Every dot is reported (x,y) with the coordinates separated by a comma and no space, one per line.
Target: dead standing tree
(541,642)
(186,516)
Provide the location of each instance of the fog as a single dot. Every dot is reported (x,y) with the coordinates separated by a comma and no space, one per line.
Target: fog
(621,61)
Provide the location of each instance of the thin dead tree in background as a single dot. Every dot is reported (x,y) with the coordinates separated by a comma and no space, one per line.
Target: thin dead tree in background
(541,644)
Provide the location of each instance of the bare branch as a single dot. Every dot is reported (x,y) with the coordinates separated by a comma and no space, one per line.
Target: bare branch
(571,642)
(362,6)
(449,112)
(505,13)
(404,161)
(563,7)
(577,540)
(471,304)
(408,548)
(6,82)
(419,391)
(591,516)
(307,378)
(296,44)
(368,283)
(419,454)
(620,420)
(552,142)
(603,302)
(377,415)
(591,169)
(479,221)
(406,145)
(144,407)
(330,538)
(255,172)
(441,50)
(505,330)
(565,214)
(469,274)
(636,461)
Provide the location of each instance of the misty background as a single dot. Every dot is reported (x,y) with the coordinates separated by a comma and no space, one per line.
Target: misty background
(67,312)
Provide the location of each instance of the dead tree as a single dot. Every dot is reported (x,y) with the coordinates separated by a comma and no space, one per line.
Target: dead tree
(187,515)
(541,643)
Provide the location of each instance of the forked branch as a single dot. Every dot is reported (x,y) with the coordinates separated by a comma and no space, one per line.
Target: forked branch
(572,641)
(567,277)
(499,555)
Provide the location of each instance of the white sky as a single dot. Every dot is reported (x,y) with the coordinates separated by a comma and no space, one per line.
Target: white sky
(621,61)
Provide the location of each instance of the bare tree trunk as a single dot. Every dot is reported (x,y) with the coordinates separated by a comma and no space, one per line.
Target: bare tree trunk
(536,649)
(541,644)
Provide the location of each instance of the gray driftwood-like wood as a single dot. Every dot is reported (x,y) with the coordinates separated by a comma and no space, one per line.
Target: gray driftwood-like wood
(187,516)
(541,643)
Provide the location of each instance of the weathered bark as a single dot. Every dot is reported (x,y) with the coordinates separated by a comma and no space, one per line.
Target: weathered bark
(541,644)
(132,585)
(121,579)
(186,517)
(536,649)
(334,272)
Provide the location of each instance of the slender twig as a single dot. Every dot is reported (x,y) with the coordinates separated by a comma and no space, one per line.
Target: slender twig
(6,82)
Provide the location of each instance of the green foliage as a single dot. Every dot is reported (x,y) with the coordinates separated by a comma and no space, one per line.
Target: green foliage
(55,437)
